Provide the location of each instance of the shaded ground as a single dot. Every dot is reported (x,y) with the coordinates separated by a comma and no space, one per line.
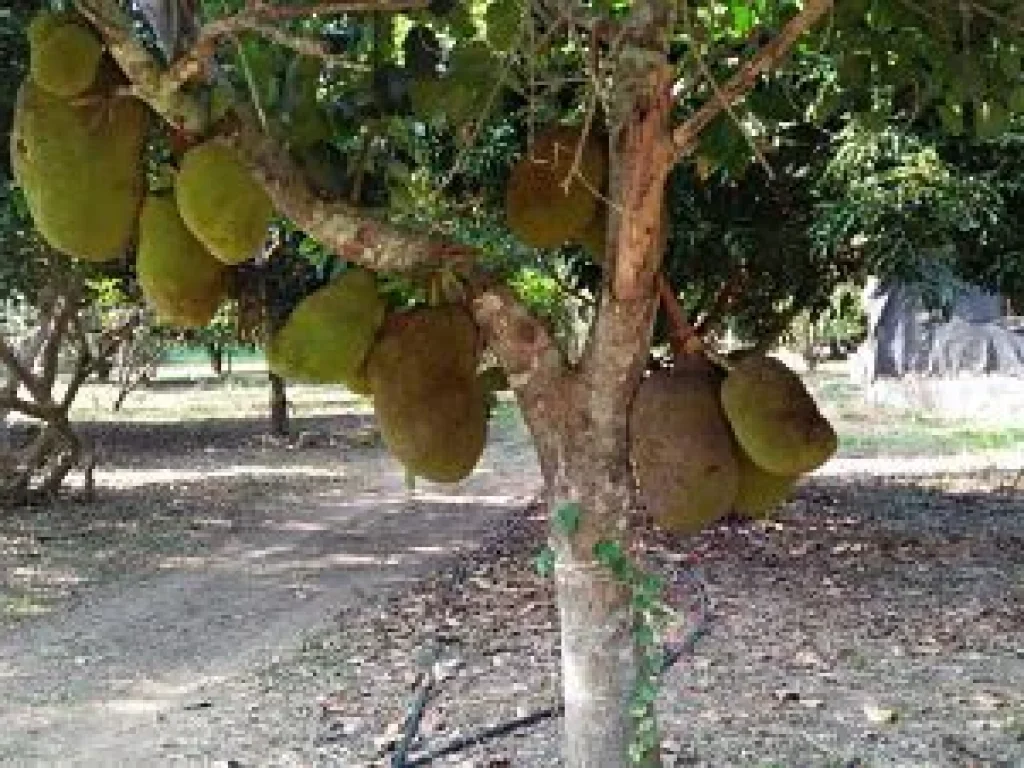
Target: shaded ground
(187,616)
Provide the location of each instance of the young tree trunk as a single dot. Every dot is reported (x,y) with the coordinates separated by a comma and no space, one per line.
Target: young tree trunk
(278,406)
(215,351)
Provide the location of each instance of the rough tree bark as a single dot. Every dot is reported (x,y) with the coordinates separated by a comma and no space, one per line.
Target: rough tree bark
(278,406)
(578,416)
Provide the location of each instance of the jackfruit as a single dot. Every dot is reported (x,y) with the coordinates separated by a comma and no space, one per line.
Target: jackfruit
(328,335)
(179,278)
(221,203)
(682,451)
(538,209)
(80,167)
(594,237)
(759,491)
(774,417)
(430,404)
(64,53)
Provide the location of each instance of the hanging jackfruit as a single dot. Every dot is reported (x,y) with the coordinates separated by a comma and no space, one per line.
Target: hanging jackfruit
(594,237)
(774,417)
(759,491)
(327,337)
(681,448)
(64,53)
(540,210)
(80,168)
(221,203)
(179,278)
(430,404)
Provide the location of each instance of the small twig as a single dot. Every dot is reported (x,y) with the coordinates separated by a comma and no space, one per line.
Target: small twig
(416,709)
(336,8)
(484,734)
(731,111)
(250,83)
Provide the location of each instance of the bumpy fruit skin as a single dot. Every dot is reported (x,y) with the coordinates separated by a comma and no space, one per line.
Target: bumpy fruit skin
(774,417)
(759,491)
(179,278)
(64,53)
(681,448)
(80,167)
(538,209)
(430,404)
(328,336)
(594,237)
(221,203)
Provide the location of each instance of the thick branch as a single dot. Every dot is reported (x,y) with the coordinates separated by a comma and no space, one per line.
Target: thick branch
(686,136)
(351,233)
(681,329)
(35,410)
(9,359)
(150,81)
(529,355)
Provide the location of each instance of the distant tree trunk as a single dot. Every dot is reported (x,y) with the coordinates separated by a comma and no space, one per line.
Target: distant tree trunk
(215,351)
(278,406)
(39,468)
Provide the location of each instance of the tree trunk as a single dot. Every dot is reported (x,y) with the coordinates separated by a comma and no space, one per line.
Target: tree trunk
(215,351)
(278,406)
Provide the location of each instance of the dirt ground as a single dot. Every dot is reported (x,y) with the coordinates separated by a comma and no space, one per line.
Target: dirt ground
(235,600)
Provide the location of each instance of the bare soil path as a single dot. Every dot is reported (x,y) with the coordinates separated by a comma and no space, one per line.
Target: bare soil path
(239,561)
(234,600)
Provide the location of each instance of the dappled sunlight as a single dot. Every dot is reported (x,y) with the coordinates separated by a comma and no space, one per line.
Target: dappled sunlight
(132,478)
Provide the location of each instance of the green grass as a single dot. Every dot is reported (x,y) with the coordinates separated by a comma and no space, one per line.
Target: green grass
(868,430)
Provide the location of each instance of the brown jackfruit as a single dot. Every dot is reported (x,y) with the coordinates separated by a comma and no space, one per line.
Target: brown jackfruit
(682,451)
(179,278)
(594,237)
(538,209)
(329,334)
(221,203)
(774,417)
(80,167)
(429,402)
(64,53)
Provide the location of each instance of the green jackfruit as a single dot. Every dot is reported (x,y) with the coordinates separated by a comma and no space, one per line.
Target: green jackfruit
(221,203)
(80,167)
(328,335)
(538,209)
(774,417)
(179,278)
(759,491)
(682,451)
(430,404)
(64,53)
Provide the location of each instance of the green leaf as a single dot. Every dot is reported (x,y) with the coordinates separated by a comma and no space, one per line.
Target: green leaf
(567,518)
(544,562)
(610,555)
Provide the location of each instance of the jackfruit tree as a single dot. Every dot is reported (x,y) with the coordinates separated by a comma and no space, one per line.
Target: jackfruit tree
(474,137)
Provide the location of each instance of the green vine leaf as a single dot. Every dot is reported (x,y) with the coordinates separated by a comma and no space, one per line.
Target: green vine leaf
(567,518)
(544,562)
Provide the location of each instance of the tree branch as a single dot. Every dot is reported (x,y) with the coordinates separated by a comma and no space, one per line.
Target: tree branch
(34,410)
(21,372)
(353,234)
(682,331)
(686,136)
(150,81)
(527,351)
